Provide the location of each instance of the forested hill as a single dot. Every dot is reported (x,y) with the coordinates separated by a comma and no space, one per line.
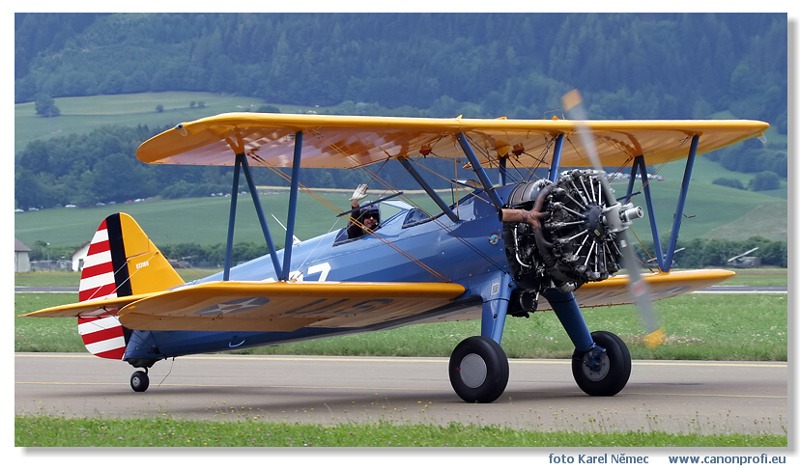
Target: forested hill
(479,65)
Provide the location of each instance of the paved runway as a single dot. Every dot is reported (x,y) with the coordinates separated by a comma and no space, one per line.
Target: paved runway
(668,396)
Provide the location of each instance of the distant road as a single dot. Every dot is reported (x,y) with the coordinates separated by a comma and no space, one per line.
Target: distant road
(725,289)
(46,289)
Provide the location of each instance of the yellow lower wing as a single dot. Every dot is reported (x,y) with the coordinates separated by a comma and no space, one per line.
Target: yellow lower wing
(614,291)
(236,306)
(281,306)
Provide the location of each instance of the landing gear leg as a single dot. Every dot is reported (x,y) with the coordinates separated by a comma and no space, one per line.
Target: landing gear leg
(478,366)
(601,363)
(140,381)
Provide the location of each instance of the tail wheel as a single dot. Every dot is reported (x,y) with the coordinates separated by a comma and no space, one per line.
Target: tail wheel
(140,381)
(604,370)
(478,370)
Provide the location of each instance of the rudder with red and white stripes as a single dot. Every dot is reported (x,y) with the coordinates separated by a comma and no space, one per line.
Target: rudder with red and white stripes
(121,261)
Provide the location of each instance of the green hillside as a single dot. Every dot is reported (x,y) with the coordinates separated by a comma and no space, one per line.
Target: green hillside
(81,115)
(712,211)
(199,220)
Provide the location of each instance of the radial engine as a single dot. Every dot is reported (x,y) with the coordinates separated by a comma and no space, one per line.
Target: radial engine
(562,234)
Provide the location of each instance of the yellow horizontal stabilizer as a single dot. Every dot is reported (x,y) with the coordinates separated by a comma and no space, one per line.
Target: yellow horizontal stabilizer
(238,306)
(90,308)
(354,141)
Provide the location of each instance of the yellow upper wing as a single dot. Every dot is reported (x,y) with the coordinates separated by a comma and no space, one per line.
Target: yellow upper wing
(354,141)
(240,306)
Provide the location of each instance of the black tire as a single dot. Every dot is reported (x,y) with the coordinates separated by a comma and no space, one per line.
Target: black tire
(608,373)
(140,381)
(478,370)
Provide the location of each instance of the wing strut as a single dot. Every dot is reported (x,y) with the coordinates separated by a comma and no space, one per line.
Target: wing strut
(639,166)
(664,259)
(226,272)
(478,169)
(676,222)
(295,184)
(425,186)
(242,165)
(555,165)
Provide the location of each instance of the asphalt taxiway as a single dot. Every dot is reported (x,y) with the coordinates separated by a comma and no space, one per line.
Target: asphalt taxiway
(669,396)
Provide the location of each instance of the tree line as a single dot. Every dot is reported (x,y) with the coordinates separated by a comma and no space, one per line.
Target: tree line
(479,65)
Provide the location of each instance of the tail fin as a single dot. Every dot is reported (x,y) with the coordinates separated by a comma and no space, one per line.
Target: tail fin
(121,261)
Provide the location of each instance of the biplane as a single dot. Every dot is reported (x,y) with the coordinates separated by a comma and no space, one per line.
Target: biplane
(516,242)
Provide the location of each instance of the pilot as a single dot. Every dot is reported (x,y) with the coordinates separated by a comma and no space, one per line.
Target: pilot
(362,220)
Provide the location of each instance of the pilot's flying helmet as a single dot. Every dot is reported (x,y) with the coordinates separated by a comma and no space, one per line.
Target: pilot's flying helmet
(371,211)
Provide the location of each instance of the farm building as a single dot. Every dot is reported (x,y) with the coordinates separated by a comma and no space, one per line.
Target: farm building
(22,261)
(79,256)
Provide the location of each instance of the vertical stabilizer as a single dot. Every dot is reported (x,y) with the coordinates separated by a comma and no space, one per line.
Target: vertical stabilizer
(121,261)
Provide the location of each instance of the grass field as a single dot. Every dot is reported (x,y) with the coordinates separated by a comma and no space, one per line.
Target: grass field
(164,432)
(83,114)
(177,221)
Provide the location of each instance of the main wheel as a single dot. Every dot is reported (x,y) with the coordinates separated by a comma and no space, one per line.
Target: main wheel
(140,381)
(602,373)
(478,370)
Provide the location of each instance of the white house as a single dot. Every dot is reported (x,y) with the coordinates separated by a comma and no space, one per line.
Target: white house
(79,255)
(22,260)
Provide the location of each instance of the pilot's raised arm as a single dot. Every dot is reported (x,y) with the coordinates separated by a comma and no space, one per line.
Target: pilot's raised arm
(362,220)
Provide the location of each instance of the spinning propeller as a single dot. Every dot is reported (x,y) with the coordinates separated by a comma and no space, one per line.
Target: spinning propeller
(573,104)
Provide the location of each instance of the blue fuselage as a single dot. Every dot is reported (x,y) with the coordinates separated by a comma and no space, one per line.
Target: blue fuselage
(409,246)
